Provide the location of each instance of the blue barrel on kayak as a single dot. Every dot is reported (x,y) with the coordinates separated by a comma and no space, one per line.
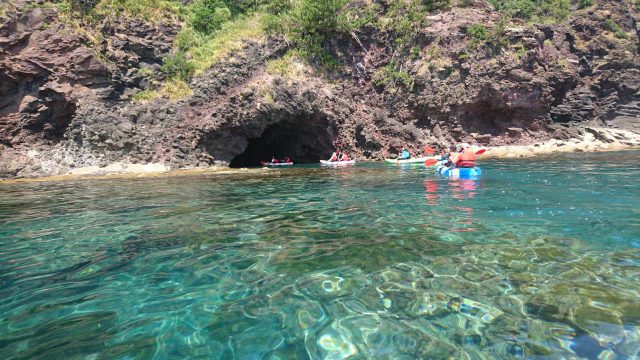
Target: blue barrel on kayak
(459,173)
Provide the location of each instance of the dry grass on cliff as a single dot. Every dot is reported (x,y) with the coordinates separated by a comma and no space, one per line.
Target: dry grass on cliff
(232,36)
(149,10)
(173,90)
(5,7)
(290,66)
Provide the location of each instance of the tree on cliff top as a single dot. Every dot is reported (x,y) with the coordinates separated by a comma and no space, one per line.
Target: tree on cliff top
(314,22)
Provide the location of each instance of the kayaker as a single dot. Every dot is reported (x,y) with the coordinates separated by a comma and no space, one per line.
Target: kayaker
(466,158)
(274,160)
(344,157)
(334,156)
(287,159)
(404,154)
(450,157)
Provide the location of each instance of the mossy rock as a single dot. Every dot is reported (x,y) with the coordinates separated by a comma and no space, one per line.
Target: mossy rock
(630,312)
(588,263)
(590,292)
(549,307)
(600,321)
(507,255)
(520,279)
(475,273)
(553,254)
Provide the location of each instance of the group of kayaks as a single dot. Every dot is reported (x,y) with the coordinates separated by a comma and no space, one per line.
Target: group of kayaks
(441,168)
(322,162)
(272,164)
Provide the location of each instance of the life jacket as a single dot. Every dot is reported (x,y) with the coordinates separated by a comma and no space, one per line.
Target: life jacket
(334,157)
(345,157)
(453,157)
(466,159)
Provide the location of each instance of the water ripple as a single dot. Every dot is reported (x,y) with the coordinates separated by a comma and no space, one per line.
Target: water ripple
(538,259)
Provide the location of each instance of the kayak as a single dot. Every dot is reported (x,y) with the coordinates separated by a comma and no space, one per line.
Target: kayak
(458,173)
(264,163)
(336,163)
(419,160)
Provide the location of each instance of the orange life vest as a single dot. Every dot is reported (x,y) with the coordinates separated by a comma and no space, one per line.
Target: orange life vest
(466,159)
(453,157)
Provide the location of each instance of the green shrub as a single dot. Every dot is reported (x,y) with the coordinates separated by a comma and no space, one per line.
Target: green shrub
(612,26)
(178,66)
(497,39)
(313,22)
(404,19)
(537,10)
(320,17)
(432,5)
(391,75)
(477,32)
(524,9)
(144,95)
(64,7)
(208,15)
(415,52)
(277,7)
(520,51)
(584,3)
(554,9)
(274,24)
(188,38)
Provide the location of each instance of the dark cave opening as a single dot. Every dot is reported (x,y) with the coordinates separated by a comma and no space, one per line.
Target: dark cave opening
(305,139)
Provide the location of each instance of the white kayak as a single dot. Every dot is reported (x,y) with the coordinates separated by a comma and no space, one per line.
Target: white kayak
(336,163)
(419,160)
(276,164)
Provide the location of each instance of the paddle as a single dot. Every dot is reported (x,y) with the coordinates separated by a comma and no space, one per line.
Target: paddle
(481,151)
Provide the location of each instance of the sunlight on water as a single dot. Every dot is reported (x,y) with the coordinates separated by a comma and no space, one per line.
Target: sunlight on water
(537,259)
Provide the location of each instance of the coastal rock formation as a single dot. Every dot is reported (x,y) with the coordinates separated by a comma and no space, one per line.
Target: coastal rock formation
(66,97)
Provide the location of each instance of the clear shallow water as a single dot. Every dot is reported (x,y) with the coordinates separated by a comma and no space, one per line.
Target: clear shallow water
(539,259)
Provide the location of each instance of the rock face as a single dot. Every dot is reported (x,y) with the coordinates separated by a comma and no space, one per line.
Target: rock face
(65,100)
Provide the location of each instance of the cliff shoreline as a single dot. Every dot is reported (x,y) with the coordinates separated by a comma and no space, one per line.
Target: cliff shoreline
(84,99)
(594,140)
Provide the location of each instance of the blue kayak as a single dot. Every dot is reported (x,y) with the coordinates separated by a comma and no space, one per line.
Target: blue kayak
(459,173)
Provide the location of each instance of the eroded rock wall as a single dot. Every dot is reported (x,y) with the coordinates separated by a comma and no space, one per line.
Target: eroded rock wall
(65,105)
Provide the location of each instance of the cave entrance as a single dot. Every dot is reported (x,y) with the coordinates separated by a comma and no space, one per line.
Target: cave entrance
(303,139)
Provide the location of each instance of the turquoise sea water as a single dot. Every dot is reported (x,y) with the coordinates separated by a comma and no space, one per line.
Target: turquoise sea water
(539,259)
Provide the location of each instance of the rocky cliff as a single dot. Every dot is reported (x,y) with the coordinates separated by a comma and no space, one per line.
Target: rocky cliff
(66,93)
